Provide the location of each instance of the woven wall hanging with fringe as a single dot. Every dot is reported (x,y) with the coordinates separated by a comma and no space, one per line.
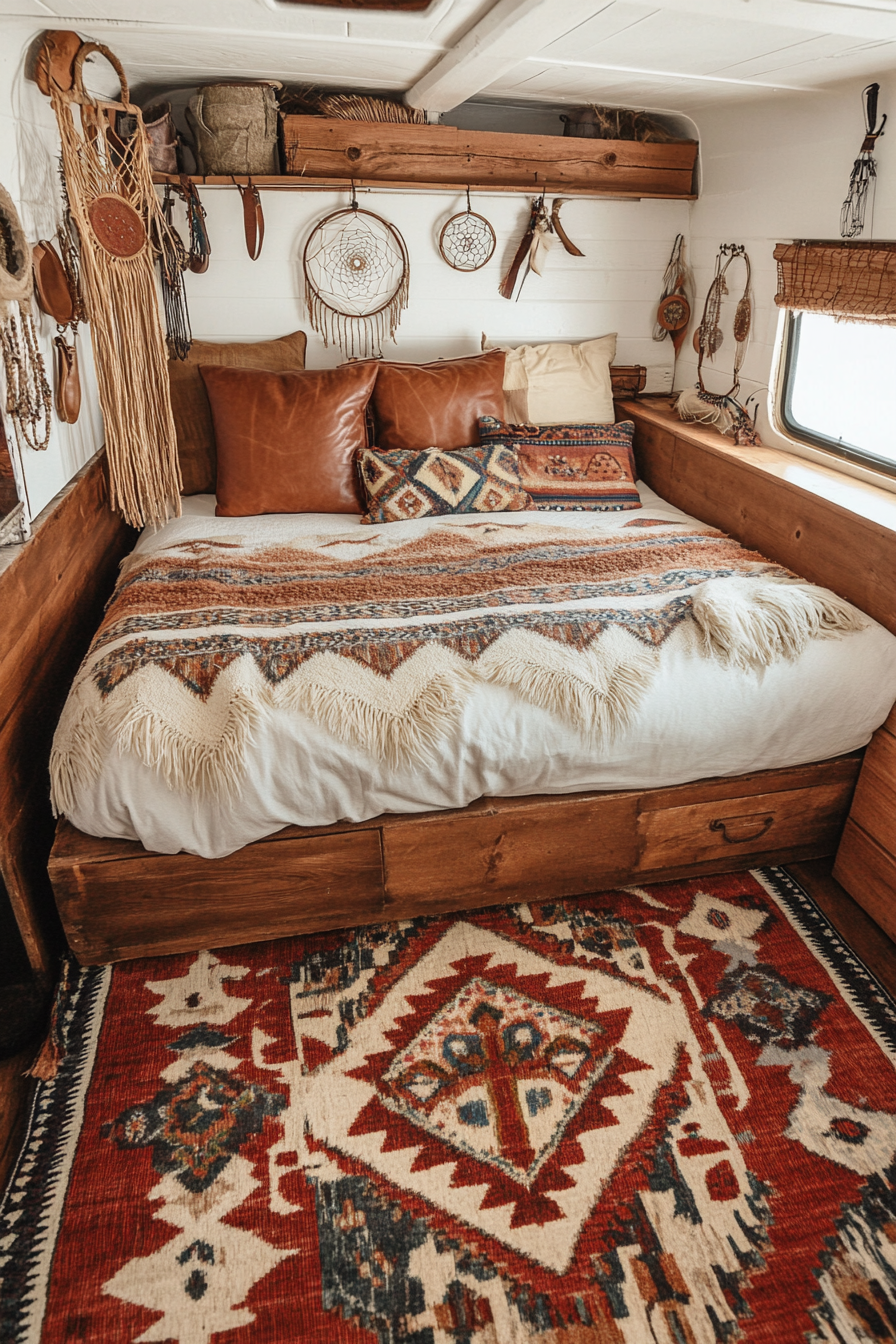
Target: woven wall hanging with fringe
(357,276)
(28,396)
(118,217)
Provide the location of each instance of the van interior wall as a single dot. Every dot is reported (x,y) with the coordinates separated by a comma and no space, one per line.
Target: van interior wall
(614,287)
(775,170)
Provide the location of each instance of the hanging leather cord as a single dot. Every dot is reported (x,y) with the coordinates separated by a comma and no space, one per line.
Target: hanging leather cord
(864,169)
(200,247)
(709,332)
(253,219)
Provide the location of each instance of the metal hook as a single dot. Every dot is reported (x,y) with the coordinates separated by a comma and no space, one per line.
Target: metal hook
(469,210)
(354,201)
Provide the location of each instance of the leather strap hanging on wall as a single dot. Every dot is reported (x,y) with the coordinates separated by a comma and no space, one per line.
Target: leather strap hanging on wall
(253,219)
(856,281)
(200,247)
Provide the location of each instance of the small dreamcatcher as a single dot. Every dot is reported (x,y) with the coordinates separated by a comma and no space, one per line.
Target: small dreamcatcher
(467,240)
(674,311)
(357,275)
(864,170)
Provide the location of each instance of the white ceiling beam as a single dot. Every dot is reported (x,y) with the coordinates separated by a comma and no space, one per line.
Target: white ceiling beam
(511,31)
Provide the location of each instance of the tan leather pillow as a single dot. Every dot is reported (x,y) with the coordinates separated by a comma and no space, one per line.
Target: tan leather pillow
(287,441)
(437,405)
(192,413)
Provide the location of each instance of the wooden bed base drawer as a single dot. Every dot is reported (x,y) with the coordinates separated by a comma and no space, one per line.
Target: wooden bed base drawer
(117,901)
(743,826)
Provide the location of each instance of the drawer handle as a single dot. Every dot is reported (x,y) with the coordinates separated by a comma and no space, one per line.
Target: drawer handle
(740,835)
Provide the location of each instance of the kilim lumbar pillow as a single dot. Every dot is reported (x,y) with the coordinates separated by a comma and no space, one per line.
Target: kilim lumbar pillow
(404,483)
(571,466)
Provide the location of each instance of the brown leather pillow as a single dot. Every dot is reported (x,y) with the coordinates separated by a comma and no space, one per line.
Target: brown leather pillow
(437,405)
(192,413)
(287,441)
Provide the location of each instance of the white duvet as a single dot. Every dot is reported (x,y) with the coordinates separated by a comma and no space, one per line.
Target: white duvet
(698,719)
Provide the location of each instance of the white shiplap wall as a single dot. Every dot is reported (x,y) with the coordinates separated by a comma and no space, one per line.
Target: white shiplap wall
(773,172)
(614,287)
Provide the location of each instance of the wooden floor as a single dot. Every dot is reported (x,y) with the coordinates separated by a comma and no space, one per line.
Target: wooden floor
(860,931)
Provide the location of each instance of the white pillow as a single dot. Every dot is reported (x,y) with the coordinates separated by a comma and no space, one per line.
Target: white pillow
(559,383)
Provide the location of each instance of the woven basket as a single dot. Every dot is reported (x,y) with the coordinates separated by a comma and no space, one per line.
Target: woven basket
(235,129)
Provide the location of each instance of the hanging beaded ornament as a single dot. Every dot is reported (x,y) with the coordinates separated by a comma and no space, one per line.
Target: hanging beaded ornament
(357,275)
(467,240)
(28,396)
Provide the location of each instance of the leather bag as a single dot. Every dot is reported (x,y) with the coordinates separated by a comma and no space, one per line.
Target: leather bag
(51,284)
(162,136)
(68,380)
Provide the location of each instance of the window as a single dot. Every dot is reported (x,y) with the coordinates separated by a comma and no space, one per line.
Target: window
(839,387)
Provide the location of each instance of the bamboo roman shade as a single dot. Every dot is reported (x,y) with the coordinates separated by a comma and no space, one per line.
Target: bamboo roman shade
(856,281)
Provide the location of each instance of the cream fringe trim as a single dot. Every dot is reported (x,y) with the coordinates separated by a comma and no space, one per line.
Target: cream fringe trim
(750,624)
(200,748)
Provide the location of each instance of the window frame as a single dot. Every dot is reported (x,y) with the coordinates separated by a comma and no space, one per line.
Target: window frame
(800,433)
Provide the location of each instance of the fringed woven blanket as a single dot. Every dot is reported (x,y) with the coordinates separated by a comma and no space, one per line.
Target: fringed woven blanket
(381,639)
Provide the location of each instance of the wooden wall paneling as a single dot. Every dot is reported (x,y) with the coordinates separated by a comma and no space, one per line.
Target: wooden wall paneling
(333,148)
(746,492)
(51,598)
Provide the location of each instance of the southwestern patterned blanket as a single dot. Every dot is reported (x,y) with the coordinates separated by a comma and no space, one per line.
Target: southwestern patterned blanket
(381,638)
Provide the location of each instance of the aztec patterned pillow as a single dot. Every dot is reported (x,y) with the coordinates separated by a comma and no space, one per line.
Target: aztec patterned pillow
(408,483)
(571,466)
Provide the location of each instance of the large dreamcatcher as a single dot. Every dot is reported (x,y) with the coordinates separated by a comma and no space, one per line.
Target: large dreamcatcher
(120,225)
(467,240)
(356,280)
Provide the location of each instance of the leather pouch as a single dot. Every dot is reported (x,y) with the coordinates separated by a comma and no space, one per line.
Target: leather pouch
(68,381)
(51,284)
(162,137)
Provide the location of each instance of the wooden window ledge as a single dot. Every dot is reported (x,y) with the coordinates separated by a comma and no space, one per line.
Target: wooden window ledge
(824,525)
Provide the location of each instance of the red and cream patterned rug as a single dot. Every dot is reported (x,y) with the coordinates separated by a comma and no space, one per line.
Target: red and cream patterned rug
(646,1115)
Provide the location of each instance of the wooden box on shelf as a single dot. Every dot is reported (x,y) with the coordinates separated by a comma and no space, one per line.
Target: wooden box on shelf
(444,156)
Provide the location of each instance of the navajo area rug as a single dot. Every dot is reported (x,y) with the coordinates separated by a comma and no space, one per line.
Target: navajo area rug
(659,1116)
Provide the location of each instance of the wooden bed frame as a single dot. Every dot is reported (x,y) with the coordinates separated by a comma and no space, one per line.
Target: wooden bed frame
(117,901)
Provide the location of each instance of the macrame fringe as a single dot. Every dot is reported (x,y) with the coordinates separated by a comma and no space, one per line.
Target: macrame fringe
(598,691)
(750,624)
(121,295)
(402,719)
(357,337)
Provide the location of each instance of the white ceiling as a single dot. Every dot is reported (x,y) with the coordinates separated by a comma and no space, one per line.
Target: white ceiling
(676,53)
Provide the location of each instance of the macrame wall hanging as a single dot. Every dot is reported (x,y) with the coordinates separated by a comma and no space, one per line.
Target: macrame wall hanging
(864,170)
(28,395)
(467,240)
(722,409)
(674,311)
(118,217)
(357,276)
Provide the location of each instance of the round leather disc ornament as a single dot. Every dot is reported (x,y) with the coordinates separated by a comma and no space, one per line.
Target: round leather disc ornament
(674,312)
(117,227)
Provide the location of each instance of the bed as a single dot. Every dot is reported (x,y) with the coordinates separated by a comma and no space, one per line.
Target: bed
(718,760)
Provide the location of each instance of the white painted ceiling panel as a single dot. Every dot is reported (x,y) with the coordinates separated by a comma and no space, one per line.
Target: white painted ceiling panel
(667,53)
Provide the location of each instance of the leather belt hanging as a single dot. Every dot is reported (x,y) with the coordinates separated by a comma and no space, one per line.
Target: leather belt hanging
(253,219)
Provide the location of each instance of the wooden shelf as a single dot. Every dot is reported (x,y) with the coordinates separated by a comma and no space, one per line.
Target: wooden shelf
(329,153)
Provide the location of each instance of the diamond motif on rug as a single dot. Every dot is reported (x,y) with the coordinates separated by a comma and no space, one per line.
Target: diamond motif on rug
(526,1105)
